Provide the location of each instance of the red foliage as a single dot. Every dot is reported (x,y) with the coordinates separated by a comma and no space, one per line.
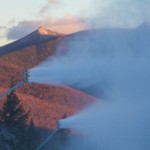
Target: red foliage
(46,103)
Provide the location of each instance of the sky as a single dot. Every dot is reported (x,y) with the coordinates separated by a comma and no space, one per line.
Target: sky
(19,18)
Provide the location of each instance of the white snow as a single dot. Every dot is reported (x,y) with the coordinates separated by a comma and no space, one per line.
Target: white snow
(44,31)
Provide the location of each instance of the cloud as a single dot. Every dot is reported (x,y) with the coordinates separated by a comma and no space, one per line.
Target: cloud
(53,1)
(22,29)
(3,39)
(49,3)
(2,27)
(44,9)
(2,32)
(100,13)
(66,25)
(113,65)
(119,13)
(12,21)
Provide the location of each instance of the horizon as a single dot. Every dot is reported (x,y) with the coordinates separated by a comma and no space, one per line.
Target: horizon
(68,16)
(143,25)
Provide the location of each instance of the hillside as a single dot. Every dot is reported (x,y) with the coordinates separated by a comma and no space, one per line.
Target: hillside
(46,103)
(35,38)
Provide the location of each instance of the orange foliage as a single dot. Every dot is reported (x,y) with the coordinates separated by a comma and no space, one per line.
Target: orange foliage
(46,103)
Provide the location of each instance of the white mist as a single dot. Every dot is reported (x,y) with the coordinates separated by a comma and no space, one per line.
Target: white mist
(112,65)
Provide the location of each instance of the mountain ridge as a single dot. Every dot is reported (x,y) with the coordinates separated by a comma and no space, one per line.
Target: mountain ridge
(13,62)
(35,38)
(44,31)
(46,103)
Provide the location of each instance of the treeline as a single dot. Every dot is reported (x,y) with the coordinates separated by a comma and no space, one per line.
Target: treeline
(17,134)
(41,103)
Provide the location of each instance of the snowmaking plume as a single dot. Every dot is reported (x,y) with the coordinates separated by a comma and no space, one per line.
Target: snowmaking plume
(112,64)
(94,57)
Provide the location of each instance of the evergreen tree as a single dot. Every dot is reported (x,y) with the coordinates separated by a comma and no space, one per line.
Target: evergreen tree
(13,119)
(13,113)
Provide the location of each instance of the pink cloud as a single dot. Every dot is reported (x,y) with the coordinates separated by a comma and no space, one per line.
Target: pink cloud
(66,25)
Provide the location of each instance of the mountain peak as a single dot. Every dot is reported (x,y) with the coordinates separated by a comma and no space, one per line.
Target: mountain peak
(36,37)
(44,31)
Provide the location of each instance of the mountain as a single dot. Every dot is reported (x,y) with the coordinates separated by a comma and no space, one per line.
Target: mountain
(46,103)
(52,102)
(35,38)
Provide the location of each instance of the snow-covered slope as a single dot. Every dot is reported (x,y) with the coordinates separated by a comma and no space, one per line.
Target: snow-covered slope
(44,31)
